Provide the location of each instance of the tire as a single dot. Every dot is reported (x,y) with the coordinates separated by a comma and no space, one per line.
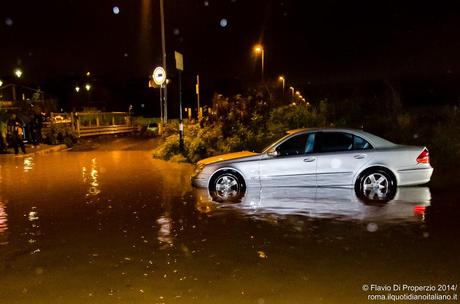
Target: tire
(376,185)
(227,186)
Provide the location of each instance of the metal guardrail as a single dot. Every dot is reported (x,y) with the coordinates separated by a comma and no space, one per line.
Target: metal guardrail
(104,130)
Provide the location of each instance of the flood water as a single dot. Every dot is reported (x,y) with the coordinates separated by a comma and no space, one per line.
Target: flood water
(119,226)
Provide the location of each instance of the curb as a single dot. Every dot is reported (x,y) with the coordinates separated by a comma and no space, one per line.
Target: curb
(56,148)
(31,152)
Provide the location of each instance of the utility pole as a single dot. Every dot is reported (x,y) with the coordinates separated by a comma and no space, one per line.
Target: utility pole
(163,46)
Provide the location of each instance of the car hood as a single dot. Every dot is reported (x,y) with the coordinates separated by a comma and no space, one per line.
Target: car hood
(227,157)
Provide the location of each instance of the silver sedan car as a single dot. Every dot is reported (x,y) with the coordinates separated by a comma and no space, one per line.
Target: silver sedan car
(318,157)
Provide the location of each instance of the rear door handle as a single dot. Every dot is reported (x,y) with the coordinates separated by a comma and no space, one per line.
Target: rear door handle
(360,156)
(309,159)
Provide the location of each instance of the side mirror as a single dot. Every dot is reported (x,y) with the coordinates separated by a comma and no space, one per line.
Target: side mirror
(273,153)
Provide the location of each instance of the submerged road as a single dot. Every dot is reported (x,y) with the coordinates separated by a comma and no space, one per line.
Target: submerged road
(106,223)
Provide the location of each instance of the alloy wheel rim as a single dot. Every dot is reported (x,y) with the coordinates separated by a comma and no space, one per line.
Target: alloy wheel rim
(227,187)
(376,186)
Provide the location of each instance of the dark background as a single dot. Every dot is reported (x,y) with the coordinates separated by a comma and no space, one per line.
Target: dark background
(325,48)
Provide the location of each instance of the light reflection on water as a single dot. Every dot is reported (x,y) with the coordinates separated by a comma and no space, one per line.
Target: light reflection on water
(34,230)
(164,233)
(92,178)
(28,163)
(3,223)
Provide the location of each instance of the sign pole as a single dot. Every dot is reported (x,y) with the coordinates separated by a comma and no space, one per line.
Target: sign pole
(198,96)
(180,67)
(159,78)
(161,106)
(181,123)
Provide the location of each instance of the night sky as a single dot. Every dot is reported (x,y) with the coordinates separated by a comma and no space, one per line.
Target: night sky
(308,41)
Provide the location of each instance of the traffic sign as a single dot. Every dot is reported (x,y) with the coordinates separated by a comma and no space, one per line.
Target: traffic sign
(159,76)
(179,61)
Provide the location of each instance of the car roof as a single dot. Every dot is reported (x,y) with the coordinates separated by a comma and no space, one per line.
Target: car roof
(374,140)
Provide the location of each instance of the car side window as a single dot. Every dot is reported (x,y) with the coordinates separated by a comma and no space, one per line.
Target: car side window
(360,143)
(296,145)
(335,141)
(338,141)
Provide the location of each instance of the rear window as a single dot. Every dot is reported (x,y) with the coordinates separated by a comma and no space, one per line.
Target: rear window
(338,141)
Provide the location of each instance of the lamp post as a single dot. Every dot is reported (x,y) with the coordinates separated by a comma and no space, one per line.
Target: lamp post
(283,81)
(259,49)
(292,92)
(163,47)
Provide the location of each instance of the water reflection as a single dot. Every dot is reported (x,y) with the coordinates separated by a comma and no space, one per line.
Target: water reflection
(28,164)
(92,177)
(408,203)
(164,233)
(34,230)
(3,223)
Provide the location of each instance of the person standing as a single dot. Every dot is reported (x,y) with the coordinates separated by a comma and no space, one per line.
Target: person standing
(36,129)
(15,129)
(3,142)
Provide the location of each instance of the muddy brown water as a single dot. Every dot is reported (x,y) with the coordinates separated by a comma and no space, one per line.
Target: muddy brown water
(119,226)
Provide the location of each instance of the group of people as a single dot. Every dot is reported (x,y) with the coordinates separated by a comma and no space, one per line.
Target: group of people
(13,134)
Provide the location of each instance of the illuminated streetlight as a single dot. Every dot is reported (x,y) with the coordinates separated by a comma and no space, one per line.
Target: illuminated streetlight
(77,89)
(88,87)
(88,74)
(283,80)
(1,82)
(18,73)
(259,49)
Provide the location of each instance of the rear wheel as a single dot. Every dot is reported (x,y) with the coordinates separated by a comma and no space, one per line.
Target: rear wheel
(227,186)
(376,185)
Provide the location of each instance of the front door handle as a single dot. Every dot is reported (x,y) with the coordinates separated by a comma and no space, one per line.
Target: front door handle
(360,156)
(309,159)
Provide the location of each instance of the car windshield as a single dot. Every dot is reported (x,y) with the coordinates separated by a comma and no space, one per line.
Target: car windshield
(274,144)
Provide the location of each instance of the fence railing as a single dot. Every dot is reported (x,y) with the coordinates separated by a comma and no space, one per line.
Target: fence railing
(94,123)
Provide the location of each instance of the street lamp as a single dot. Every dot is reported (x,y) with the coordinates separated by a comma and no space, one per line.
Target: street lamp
(88,87)
(1,82)
(283,80)
(77,89)
(18,73)
(259,49)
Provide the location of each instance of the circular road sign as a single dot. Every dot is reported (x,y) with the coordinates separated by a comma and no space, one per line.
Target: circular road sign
(159,76)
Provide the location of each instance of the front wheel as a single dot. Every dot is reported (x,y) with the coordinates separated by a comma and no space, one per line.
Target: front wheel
(227,186)
(376,185)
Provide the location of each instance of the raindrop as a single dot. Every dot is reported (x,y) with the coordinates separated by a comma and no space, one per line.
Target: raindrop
(116,10)
(176,31)
(372,227)
(206,3)
(9,21)
(223,22)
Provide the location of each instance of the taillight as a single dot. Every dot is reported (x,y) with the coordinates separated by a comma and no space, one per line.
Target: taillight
(420,210)
(424,157)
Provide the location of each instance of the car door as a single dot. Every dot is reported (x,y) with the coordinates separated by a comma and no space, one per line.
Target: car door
(295,164)
(340,156)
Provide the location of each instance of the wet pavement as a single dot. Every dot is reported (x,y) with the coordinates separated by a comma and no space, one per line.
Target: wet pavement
(114,225)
